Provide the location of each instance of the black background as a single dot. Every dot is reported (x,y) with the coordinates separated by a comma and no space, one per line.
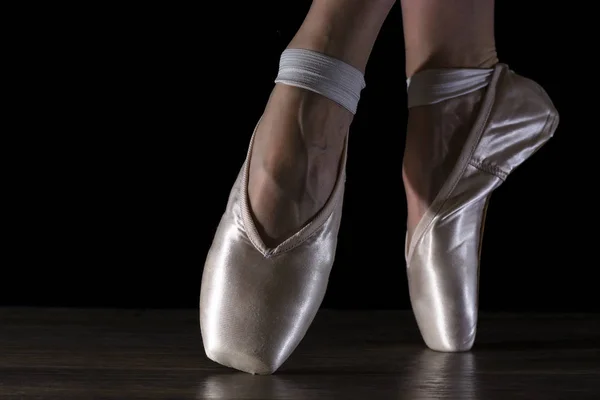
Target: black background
(140,121)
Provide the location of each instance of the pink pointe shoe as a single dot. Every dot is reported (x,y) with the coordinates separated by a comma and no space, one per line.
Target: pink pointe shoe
(515,119)
(257,303)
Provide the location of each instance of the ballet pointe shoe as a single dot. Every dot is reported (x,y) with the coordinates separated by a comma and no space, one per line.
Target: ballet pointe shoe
(257,302)
(515,118)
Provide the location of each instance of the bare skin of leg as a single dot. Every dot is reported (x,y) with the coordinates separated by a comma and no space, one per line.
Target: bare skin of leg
(299,141)
(441,34)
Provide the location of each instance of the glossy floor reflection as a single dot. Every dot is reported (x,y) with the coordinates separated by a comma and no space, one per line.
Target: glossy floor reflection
(428,375)
(104,354)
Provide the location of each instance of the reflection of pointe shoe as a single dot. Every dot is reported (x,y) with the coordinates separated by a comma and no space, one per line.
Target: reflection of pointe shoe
(437,375)
(235,386)
(516,117)
(257,303)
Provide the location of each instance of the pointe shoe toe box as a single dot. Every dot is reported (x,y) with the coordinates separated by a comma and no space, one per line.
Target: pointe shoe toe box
(253,314)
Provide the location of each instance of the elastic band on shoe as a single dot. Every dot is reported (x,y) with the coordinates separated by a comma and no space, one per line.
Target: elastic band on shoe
(436,85)
(319,73)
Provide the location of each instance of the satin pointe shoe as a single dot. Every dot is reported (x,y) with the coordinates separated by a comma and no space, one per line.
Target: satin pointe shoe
(515,118)
(256,302)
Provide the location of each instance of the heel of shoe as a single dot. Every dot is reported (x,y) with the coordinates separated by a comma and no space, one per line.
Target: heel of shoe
(524,120)
(553,114)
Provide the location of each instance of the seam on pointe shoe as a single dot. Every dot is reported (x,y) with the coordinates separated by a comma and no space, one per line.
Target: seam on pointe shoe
(299,239)
(489,168)
(294,244)
(280,250)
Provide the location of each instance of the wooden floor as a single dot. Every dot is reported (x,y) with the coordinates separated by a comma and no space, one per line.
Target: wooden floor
(104,354)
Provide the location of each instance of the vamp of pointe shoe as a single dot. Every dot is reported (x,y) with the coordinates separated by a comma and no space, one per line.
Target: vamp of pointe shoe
(513,119)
